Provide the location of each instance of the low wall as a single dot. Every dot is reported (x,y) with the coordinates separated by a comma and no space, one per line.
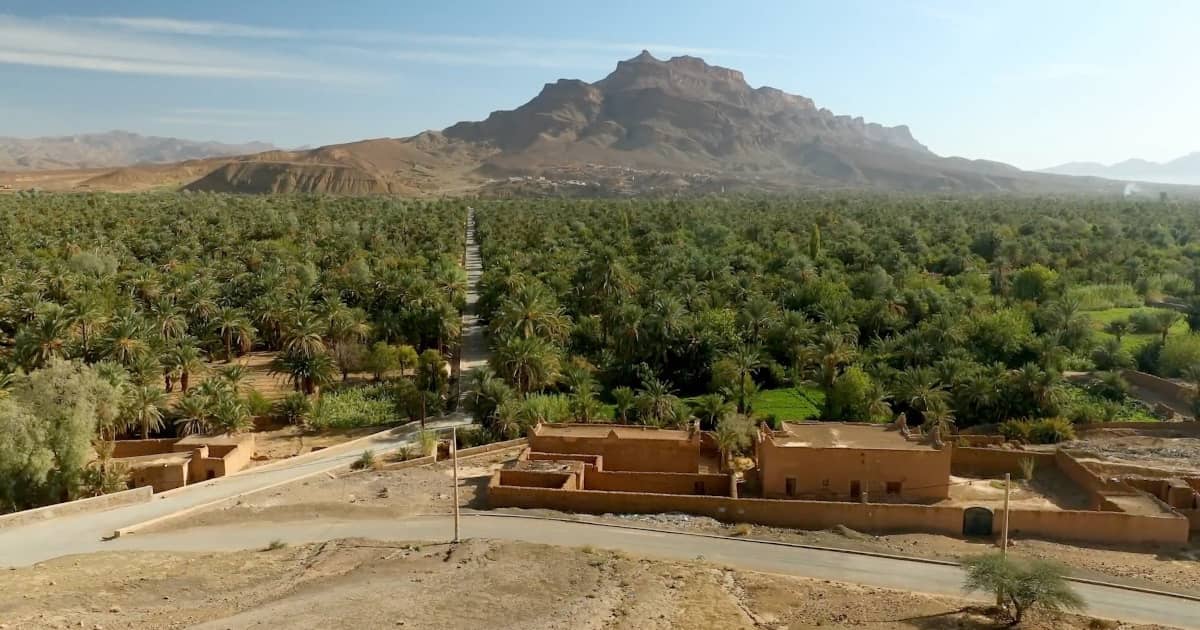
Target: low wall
(1098,488)
(139,448)
(1193,517)
(534,479)
(657,483)
(595,461)
(161,477)
(1110,528)
(778,513)
(1179,394)
(81,506)
(994,462)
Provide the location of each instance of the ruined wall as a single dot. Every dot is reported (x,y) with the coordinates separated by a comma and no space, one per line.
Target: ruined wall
(994,462)
(1179,394)
(1098,488)
(828,473)
(535,479)
(81,506)
(657,483)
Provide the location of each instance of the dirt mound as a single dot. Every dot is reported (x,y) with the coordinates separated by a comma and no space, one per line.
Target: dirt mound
(290,177)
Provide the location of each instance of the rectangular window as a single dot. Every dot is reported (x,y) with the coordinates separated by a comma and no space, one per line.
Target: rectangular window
(893,488)
(790,485)
(855,489)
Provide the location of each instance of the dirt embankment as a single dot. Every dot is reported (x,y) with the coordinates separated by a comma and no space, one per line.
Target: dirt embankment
(478,584)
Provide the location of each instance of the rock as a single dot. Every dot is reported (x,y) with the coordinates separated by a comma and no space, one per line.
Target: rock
(114,609)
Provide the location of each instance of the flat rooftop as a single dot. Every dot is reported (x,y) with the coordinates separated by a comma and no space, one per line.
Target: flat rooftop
(600,431)
(844,435)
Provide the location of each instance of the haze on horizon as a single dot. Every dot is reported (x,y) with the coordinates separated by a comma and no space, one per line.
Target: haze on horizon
(1023,83)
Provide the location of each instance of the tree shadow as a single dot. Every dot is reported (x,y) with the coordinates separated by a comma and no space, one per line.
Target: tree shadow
(967,617)
(480,486)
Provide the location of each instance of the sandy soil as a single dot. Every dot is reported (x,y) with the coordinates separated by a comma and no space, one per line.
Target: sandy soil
(478,584)
(427,490)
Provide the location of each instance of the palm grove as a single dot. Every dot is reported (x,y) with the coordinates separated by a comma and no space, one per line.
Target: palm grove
(951,311)
(119,316)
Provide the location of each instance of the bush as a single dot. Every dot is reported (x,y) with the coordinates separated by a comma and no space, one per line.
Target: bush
(1143,322)
(258,404)
(275,545)
(1147,357)
(1181,352)
(1052,431)
(427,441)
(468,438)
(1028,464)
(1109,386)
(296,408)
(366,461)
(1016,430)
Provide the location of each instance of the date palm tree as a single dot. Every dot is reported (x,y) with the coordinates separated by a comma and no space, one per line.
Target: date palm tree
(529,363)
(192,415)
(144,410)
(234,330)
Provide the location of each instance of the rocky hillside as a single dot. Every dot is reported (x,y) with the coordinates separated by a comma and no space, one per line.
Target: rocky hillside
(112,149)
(651,126)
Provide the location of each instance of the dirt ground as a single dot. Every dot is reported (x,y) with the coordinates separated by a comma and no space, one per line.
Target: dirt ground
(478,584)
(289,441)
(1172,447)
(428,490)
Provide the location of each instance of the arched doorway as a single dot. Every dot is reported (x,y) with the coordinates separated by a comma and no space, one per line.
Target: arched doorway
(977,521)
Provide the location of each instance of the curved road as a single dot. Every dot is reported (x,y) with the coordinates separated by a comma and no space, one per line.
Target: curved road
(938,579)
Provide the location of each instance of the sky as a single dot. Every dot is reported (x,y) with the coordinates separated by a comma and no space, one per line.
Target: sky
(1033,84)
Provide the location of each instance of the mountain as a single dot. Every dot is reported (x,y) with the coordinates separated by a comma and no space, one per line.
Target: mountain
(112,149)
(1183,170)
(651,126)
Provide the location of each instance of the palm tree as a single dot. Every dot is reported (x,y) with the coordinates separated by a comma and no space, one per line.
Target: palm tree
(711,409)
(920,390)
(303,335)
(185,360)
(485,393)
(832,352)
(623,400)
(656,402)
(231,415)
(192,415)
(529,363)
(745,360)
(531,311)
(406,359)
(234,330)
(1163,320)
(170,321)
(731,436)
(307,373)
(87,315)
(349,326)
(144,410)
(125,340)
(44,338)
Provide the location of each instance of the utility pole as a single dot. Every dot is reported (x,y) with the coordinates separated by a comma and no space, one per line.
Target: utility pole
(1004,532)
(454,456)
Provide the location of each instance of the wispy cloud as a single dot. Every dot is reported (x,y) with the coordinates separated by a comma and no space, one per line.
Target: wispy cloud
(456,49)
(76,45)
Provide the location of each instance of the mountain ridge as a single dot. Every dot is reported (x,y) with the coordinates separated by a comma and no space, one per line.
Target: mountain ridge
(111,149)
(1181,170)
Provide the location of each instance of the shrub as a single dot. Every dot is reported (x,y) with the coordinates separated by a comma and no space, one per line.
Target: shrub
(1027,465)
(1180,352)
(1143,322)
(296,408)
(257,404)
(1052,431)
(1110,386)
(1147,357)
(366,461)
(467,438)
(427,441)
(363,406)
(274,545)
(1016,430)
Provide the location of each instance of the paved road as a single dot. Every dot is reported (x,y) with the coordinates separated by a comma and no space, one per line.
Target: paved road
(55,537)
(882,572)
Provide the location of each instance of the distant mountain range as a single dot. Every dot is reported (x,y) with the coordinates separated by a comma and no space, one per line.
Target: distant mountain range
(111,149)
(650,127)
(1184,170)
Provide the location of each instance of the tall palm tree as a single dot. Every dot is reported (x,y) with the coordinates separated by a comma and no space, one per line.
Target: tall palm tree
(234,329)
(657,402)
(920,390)
(125,341)
(745,359)
(623,401)
(832,352)
(44,338)
(307,373)
(87,315)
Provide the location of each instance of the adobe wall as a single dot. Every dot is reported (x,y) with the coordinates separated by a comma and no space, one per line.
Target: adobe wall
(1098,488)
(595,461)
(161,477)
(1193,517)
(1096,527)
(629,454)
(994,462)
(534,479)
(1081,526)
(778,513)
(81,506)
(657,483)
(829,472)
(139,448)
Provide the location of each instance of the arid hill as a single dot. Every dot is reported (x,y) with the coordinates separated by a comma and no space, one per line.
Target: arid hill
(112,149)
(649,126)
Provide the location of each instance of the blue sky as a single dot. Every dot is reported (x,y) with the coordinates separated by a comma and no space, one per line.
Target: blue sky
(1030,83)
